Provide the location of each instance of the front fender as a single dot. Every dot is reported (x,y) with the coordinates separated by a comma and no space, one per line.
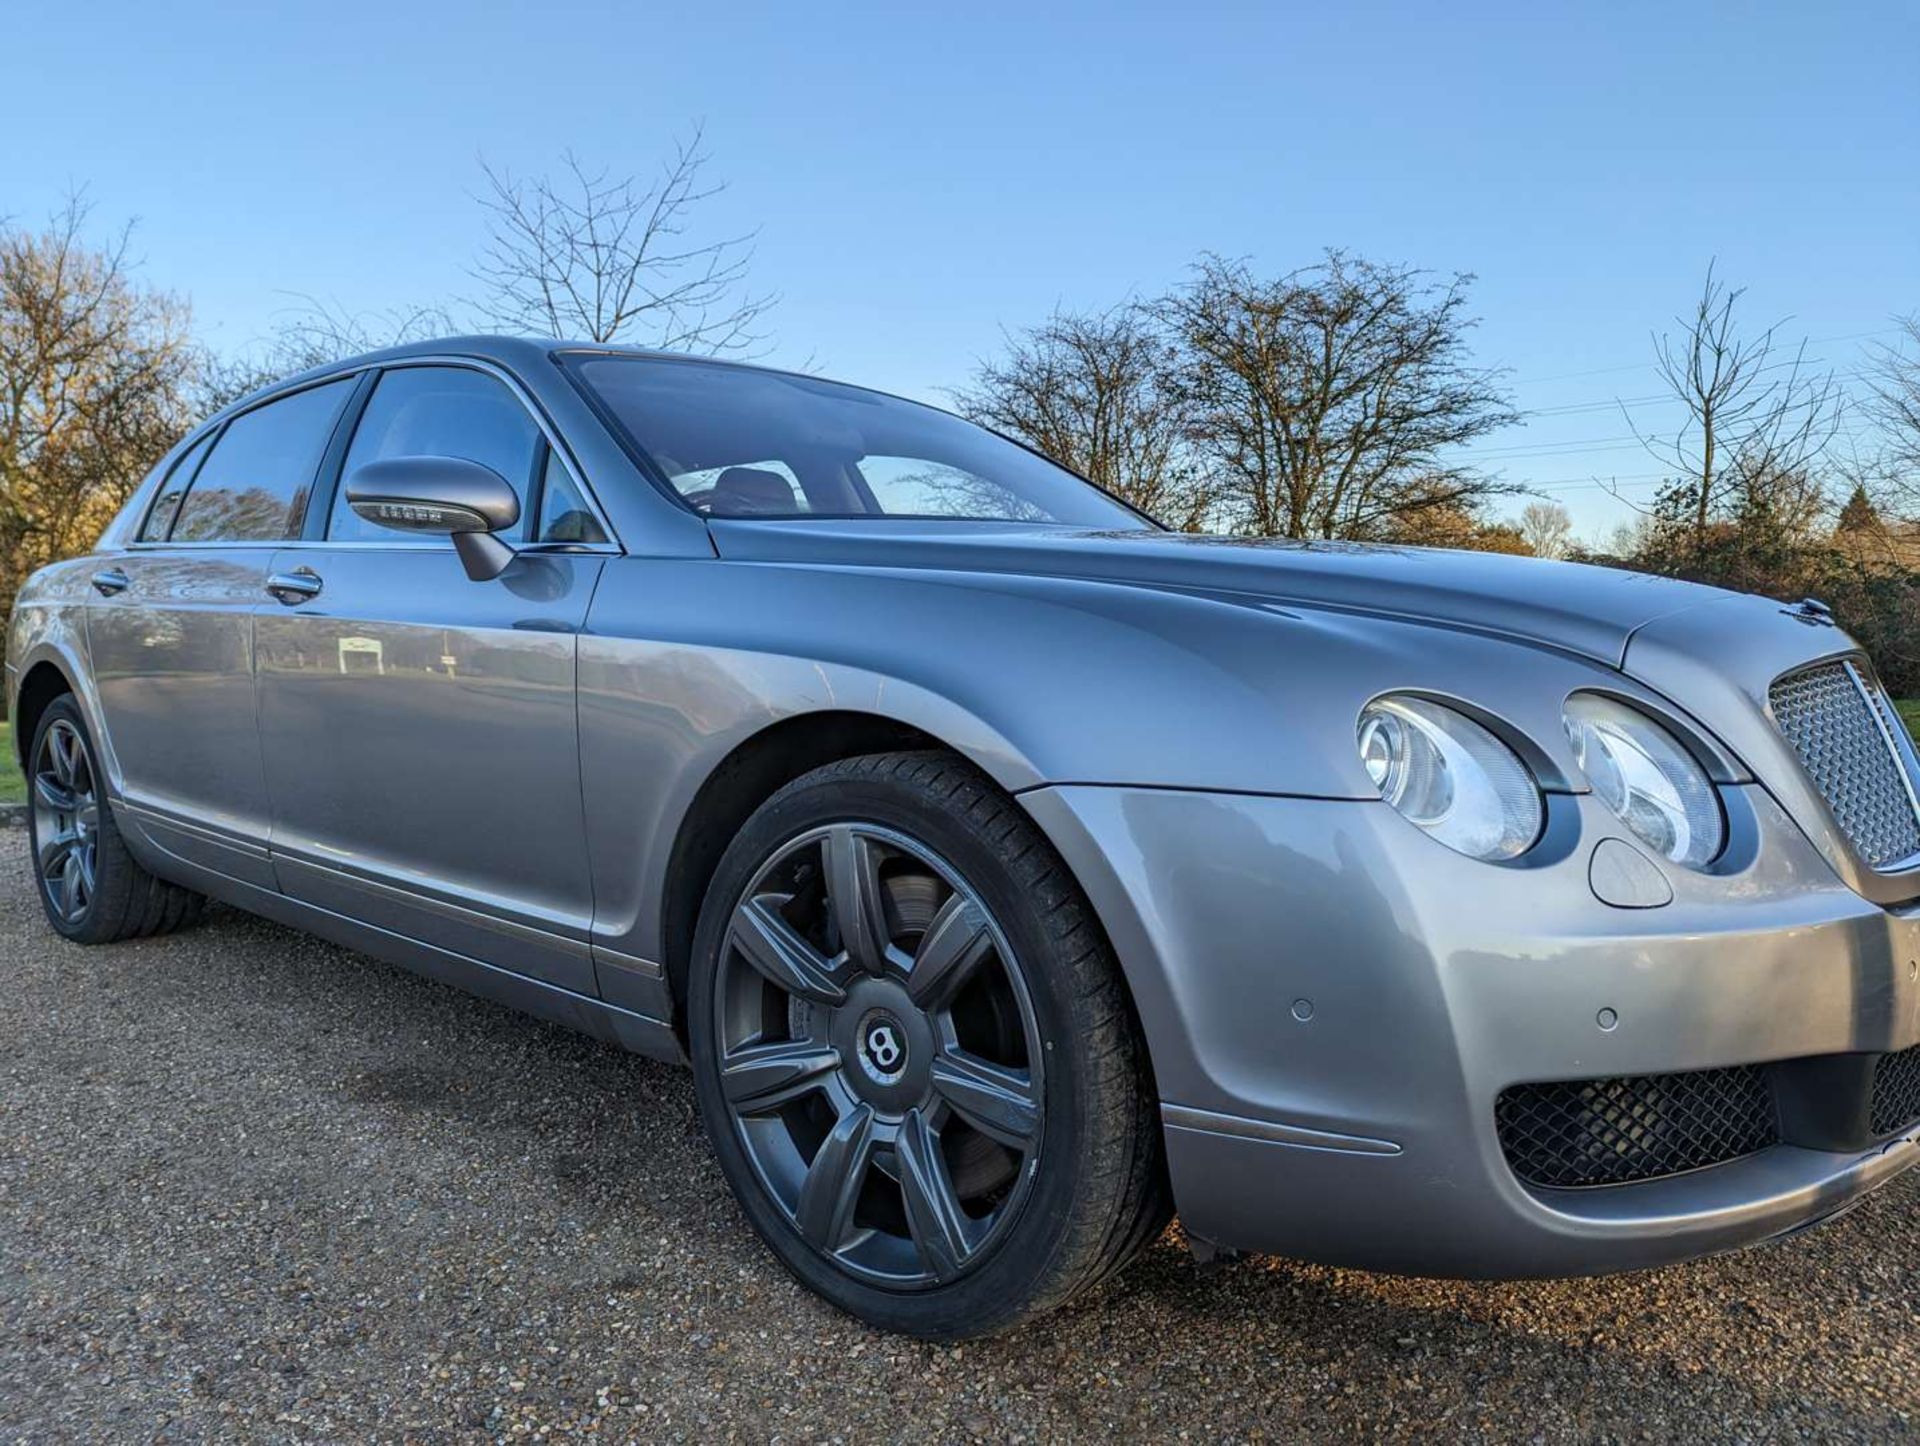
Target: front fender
(1036,680)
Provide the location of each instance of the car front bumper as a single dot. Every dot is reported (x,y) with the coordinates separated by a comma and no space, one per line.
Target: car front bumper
(1333,1003)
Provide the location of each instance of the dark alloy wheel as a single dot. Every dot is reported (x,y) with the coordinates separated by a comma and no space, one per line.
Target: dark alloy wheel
(914,1053)
(94,890)
(66,821)
(878,1054)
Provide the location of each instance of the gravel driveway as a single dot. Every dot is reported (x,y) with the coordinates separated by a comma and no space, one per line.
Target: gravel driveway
(253,1185)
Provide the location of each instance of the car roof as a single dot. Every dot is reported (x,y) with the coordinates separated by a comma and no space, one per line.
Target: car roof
(513,352)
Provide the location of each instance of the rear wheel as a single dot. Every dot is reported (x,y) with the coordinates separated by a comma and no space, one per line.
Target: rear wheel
(914,1052)
(93,890)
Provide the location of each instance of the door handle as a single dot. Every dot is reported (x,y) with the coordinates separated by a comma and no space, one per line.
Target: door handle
(111,581)
(296,587)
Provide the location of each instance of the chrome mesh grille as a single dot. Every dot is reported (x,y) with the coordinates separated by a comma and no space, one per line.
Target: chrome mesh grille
(1896,1092)
(1616,1131)
(1837,721)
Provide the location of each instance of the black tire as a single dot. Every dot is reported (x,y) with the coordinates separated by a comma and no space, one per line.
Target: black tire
(1093,1190)
(123,900)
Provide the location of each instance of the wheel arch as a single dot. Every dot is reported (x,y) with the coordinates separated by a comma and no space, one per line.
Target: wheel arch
(43,682)
(752,772)
(766,761)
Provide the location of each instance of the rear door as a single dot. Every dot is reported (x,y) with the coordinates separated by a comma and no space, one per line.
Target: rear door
(419,731)
(171,630)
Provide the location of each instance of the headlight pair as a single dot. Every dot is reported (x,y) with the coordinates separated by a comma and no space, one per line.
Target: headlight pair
(1453,778)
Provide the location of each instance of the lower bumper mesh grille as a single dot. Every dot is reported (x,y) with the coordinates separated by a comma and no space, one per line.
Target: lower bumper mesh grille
(1615,1131)
(1896,1091)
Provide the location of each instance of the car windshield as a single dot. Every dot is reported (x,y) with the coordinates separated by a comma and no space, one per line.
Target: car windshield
(739,442)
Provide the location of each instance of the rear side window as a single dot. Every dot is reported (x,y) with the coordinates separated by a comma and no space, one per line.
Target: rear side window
(255,481)
(438,412)
(167,505)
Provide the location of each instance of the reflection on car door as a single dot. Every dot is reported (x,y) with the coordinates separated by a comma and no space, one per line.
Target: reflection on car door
(170,631)
(419,730)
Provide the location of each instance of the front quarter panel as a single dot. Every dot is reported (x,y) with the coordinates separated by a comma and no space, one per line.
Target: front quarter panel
(1037,680)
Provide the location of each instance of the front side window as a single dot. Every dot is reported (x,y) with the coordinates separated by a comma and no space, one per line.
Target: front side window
(436,411)
(565,517)
(254,483)
(737,442)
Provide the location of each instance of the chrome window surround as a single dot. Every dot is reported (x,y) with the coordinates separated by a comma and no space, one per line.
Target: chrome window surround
(479,364)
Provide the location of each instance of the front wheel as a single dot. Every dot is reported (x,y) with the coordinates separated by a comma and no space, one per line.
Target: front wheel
(915,1055)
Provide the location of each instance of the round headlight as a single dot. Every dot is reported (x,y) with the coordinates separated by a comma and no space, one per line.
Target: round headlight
(1453,778)
(1641,772)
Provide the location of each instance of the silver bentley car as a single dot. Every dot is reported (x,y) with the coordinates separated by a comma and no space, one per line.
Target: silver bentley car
(1010,872)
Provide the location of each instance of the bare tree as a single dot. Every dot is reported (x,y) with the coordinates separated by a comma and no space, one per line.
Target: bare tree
(1757,416)
(312,334)
(95,372)
(1547,529)
(1328,400)
(1094,392)
(1894,403)
(600,257)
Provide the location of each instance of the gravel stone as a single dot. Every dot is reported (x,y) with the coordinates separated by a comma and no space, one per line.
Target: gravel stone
(256,1187)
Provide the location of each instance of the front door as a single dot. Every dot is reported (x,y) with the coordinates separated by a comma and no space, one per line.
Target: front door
(419,732)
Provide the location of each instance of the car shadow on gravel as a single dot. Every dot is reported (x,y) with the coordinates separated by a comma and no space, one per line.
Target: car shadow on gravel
(546,1211)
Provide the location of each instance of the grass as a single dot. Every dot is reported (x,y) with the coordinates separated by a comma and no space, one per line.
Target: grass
(13,788)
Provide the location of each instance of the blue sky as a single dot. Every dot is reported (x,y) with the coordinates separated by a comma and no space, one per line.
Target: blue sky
(924,176)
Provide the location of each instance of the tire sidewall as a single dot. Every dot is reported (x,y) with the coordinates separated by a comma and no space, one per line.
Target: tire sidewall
(1023,1260)
(65,709)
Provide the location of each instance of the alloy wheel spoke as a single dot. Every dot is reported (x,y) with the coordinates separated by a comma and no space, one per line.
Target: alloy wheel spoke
(854,897)
(782,954)
(950,950)
(71,901)
(935,1219)
(57,758)
(760,1079)
(68,760)
(54,794)
(55,851)
(832,1187)
(997,1101)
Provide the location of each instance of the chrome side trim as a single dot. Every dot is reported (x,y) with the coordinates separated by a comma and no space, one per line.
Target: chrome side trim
(632,963)
(206,832)
(1185,1117)
(508,928)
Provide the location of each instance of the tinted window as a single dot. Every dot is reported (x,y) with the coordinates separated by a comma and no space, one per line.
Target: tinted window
(564,514)
(700,488)
(741,442)
(256,479)
(438,412)
(924,488)
(160,519)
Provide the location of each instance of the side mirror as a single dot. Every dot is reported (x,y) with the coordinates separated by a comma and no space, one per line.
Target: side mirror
(447,496)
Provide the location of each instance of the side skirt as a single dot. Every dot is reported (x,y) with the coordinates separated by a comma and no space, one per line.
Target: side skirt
(633,1031)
